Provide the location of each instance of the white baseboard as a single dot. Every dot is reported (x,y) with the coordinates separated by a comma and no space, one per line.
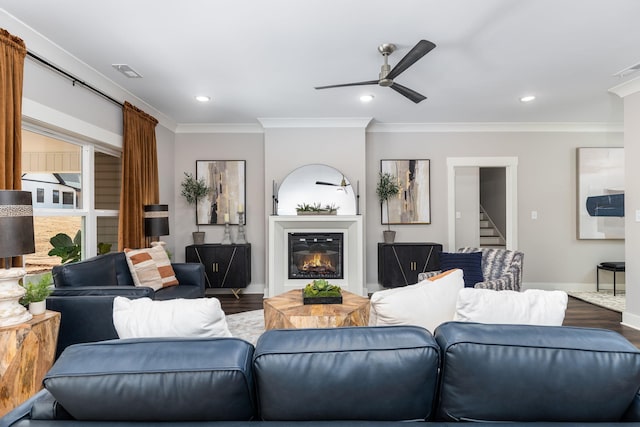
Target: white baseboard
(631,320)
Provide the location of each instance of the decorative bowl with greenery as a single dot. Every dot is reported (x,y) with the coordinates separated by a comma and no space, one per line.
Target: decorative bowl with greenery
(192,190)
(387,188)
(320,291)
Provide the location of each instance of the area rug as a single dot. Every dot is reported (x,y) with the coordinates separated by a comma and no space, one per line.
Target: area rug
(603,299)
(248,325)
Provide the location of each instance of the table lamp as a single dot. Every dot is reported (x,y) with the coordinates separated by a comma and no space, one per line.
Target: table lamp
(156,221)
(16,231)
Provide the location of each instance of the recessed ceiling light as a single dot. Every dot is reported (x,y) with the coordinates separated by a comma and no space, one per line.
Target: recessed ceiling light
(527,98)
(203,98)
(366,98)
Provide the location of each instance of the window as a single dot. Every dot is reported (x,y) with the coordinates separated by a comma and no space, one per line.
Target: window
(60,167)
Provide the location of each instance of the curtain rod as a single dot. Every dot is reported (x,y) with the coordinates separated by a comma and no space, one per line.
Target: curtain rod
(73,78)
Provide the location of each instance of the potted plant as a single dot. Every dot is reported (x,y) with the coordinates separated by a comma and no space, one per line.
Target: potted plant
(320,291)
(387,188)
(37,293)
(192,190)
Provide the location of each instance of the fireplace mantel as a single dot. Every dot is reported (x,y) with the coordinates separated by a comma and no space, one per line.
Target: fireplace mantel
(280,226)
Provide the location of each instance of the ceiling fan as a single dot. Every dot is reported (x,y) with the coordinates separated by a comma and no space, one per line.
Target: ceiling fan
(387,75)
(342,186)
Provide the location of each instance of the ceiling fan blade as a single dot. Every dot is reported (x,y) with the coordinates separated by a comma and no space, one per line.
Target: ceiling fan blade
(409,93)
(419,50)
(370,82)
(327,183)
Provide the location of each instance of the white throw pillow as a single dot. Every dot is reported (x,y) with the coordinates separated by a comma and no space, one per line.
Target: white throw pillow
(531,307)
(142,317)
(428,303)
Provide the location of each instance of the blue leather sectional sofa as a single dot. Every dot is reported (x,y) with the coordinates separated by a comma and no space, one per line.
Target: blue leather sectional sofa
(84,293)
(367,376)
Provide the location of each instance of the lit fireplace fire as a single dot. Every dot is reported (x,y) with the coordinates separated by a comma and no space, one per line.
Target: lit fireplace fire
(317,263)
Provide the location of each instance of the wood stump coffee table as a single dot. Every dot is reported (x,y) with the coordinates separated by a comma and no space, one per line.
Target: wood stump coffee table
(286,311)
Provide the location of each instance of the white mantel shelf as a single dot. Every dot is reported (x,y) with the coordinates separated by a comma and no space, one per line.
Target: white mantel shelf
(353,262)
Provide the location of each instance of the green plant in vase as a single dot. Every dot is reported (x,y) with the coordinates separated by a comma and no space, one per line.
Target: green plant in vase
(192,190)
(36,294)
(68,250)
(386,188)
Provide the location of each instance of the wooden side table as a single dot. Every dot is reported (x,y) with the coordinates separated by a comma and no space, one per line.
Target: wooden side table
(27,351)
(286,311)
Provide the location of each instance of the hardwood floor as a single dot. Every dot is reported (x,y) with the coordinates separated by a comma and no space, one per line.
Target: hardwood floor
(579,313)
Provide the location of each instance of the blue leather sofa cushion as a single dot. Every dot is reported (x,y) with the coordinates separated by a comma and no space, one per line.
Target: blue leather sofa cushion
(156,379)
(363,373)
(535,373)
(469,263)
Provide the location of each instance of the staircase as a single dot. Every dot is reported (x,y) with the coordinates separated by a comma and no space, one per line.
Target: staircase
(490,237)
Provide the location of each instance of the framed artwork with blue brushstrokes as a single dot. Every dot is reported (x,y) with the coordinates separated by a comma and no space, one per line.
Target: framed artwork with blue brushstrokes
(600,192)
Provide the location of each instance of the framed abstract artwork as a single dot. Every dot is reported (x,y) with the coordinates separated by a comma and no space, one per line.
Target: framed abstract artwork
(600,193)
(412,205)
(226,179)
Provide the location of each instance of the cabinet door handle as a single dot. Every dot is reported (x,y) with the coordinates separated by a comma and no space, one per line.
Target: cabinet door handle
(214,267)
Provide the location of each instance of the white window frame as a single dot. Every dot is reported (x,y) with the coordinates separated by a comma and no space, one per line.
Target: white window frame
(87,212)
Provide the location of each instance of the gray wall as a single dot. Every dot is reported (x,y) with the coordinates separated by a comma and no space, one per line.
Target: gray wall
(492,196)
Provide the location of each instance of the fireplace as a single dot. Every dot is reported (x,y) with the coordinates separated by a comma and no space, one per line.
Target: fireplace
(315,255)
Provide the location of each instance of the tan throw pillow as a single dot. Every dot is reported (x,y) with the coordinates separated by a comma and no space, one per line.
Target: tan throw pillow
(151,267)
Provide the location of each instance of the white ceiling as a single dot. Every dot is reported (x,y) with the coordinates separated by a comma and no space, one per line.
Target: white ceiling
(262,58)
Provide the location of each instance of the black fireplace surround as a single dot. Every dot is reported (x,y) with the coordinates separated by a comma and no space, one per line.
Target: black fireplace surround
(316,255)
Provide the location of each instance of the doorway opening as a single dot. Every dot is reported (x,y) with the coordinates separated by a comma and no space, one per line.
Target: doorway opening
(499,176)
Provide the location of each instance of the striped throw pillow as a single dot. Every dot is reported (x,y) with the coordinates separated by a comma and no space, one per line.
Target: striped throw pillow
(151,267)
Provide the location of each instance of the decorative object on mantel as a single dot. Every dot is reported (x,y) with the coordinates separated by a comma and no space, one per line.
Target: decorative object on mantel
(226,178)
(16,229)
(192,190)
(316,209)
(413,181)
(320,291)
(386,189)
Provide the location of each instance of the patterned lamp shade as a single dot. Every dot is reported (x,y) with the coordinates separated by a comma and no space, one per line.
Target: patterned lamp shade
(16,223)
(156,220)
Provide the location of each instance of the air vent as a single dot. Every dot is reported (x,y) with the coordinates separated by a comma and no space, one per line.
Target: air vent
(629,70)
(127,71)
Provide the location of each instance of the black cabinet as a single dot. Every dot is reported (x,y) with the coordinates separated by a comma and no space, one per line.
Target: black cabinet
(400,263)
(225,266)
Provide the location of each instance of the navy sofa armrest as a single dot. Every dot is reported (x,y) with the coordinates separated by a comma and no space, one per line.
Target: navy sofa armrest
(190,273)
(86,313)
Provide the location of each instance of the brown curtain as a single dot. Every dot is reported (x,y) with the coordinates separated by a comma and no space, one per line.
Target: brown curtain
(139,175)
(12,53)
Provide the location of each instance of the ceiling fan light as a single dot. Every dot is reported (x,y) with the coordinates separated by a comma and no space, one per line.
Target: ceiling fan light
(366,98)
(527,98)
(203,98)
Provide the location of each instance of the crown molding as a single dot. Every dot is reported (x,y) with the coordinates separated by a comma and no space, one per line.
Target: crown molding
(627,88)
(218,128)
(495,127)
(327,122)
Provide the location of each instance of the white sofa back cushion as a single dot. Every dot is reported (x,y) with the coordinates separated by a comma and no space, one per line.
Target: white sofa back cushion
(142,317)
(427,303)
(531,307)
